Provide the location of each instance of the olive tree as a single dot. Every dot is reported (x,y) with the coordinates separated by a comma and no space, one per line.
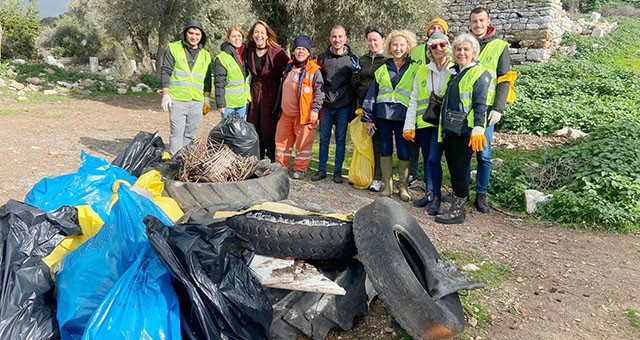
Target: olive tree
(20,28)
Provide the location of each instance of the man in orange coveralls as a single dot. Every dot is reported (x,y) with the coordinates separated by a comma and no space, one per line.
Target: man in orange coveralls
(300,99)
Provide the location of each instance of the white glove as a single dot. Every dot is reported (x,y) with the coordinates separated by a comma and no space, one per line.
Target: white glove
(494,117)
(477,131)
(166,102)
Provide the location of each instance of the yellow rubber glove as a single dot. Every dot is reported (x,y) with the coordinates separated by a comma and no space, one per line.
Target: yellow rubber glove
(409,135)
(478,141)
(359,112)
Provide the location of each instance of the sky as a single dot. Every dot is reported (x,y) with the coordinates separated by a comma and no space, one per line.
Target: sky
(52,8)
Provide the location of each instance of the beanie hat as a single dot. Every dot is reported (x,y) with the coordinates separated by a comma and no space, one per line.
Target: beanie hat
(437,37)
(438,21)
(302,41)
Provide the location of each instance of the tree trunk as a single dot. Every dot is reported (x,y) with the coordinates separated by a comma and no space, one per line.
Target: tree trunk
(0,42)
(164,33)
(141,42)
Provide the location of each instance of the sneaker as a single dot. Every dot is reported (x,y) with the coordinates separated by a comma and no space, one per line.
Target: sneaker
(298,174)
(337,178)
(321,174)
(376,185)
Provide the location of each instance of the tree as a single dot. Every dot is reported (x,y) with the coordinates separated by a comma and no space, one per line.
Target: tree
(20,28)
(315,18)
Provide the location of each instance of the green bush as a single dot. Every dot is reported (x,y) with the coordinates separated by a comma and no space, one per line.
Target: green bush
(20,27)
(510,179)
(68,39)
(602,185)
(600,85)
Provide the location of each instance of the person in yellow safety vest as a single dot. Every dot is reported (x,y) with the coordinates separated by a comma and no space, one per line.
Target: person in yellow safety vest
(420,56)
(385,108)
(429,83)
(231,80)
(186,85)
(463,120)
(494,56)
(300,99)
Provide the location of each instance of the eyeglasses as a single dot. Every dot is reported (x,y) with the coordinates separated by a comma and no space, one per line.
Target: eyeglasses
(441,44)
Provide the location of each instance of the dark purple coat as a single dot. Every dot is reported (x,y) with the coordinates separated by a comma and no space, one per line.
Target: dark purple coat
(264,90)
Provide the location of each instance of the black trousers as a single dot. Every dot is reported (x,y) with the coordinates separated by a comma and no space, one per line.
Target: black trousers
(458,154)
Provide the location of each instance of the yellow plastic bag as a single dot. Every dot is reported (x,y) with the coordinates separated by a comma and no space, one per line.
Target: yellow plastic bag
(90,223)
(510,77)
(151,181)
(362,163)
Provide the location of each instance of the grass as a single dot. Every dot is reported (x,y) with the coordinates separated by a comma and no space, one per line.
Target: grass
(634,317)
(490,273)
(11,112)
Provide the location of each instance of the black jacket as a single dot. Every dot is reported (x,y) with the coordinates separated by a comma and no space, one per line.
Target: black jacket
(220,73)
(361,81)
(337,71)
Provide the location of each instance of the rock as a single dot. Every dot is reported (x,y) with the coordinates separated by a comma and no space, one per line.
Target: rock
(535,54)
(19,62)
(532,198)
(2,83)
(122,90)
(562,132)
(141,87)
(497,161)
(93,64)
(21,98)
(51,60)
(575,133)
(50,92)
(595,16)
(49,71)
(66,84)
(474,174)
(470,267)
(16,85)
(598,32)
(11,73)
(34,88)
(87,82)
(83,92)
(34,80)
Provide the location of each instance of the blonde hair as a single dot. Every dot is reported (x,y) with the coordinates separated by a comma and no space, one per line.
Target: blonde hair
(272,37)
(409,36)
(235,28)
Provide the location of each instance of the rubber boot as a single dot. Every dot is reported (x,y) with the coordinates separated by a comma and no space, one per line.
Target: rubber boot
(403,174)
(455,215)
(386,169)
(434,206)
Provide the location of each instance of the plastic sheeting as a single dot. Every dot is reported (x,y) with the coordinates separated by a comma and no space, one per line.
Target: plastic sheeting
(210,265)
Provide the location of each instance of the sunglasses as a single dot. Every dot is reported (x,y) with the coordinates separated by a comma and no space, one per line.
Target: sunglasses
(441,44)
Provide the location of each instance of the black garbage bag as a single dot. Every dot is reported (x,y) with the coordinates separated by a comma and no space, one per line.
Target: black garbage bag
(238,134)
(209,264)
(28,234)
(145,149)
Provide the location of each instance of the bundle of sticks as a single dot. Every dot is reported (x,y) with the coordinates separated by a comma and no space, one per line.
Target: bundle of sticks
(209,161)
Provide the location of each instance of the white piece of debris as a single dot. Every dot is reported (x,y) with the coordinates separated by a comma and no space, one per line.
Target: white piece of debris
(534,197)
(470,267)
(288,274)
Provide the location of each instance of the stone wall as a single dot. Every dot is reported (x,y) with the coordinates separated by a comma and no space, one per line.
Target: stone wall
(533,28)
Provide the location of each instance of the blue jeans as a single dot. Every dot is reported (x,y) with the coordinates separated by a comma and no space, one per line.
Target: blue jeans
(240,110)
(484,163)
(328,118)
(427,138)
(387,129)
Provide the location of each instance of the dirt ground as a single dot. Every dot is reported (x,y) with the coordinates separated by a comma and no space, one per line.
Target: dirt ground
(566,284)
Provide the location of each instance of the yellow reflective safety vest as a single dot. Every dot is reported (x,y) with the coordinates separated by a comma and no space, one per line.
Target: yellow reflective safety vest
(489,58)
(402,92)
(237,92)
(465,90)
(424,94)
(188,84)
(419,55)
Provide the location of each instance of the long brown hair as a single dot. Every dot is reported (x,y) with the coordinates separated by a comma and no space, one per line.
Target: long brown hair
(272,37)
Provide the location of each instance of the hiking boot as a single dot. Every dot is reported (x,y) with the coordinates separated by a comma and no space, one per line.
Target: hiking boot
(481,203)
(434,207)
(375,186)
(337,177)
(455,215)
(321,174)
(424,201)
(298,174)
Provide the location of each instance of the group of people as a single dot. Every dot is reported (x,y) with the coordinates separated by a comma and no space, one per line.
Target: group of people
(434,98)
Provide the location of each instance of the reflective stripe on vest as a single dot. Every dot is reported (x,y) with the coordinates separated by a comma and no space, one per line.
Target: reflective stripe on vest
(424,94)
(188,84)
(465,89)
(306,93)
(402,92)
(419,55)
(237,92)
(489,58)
